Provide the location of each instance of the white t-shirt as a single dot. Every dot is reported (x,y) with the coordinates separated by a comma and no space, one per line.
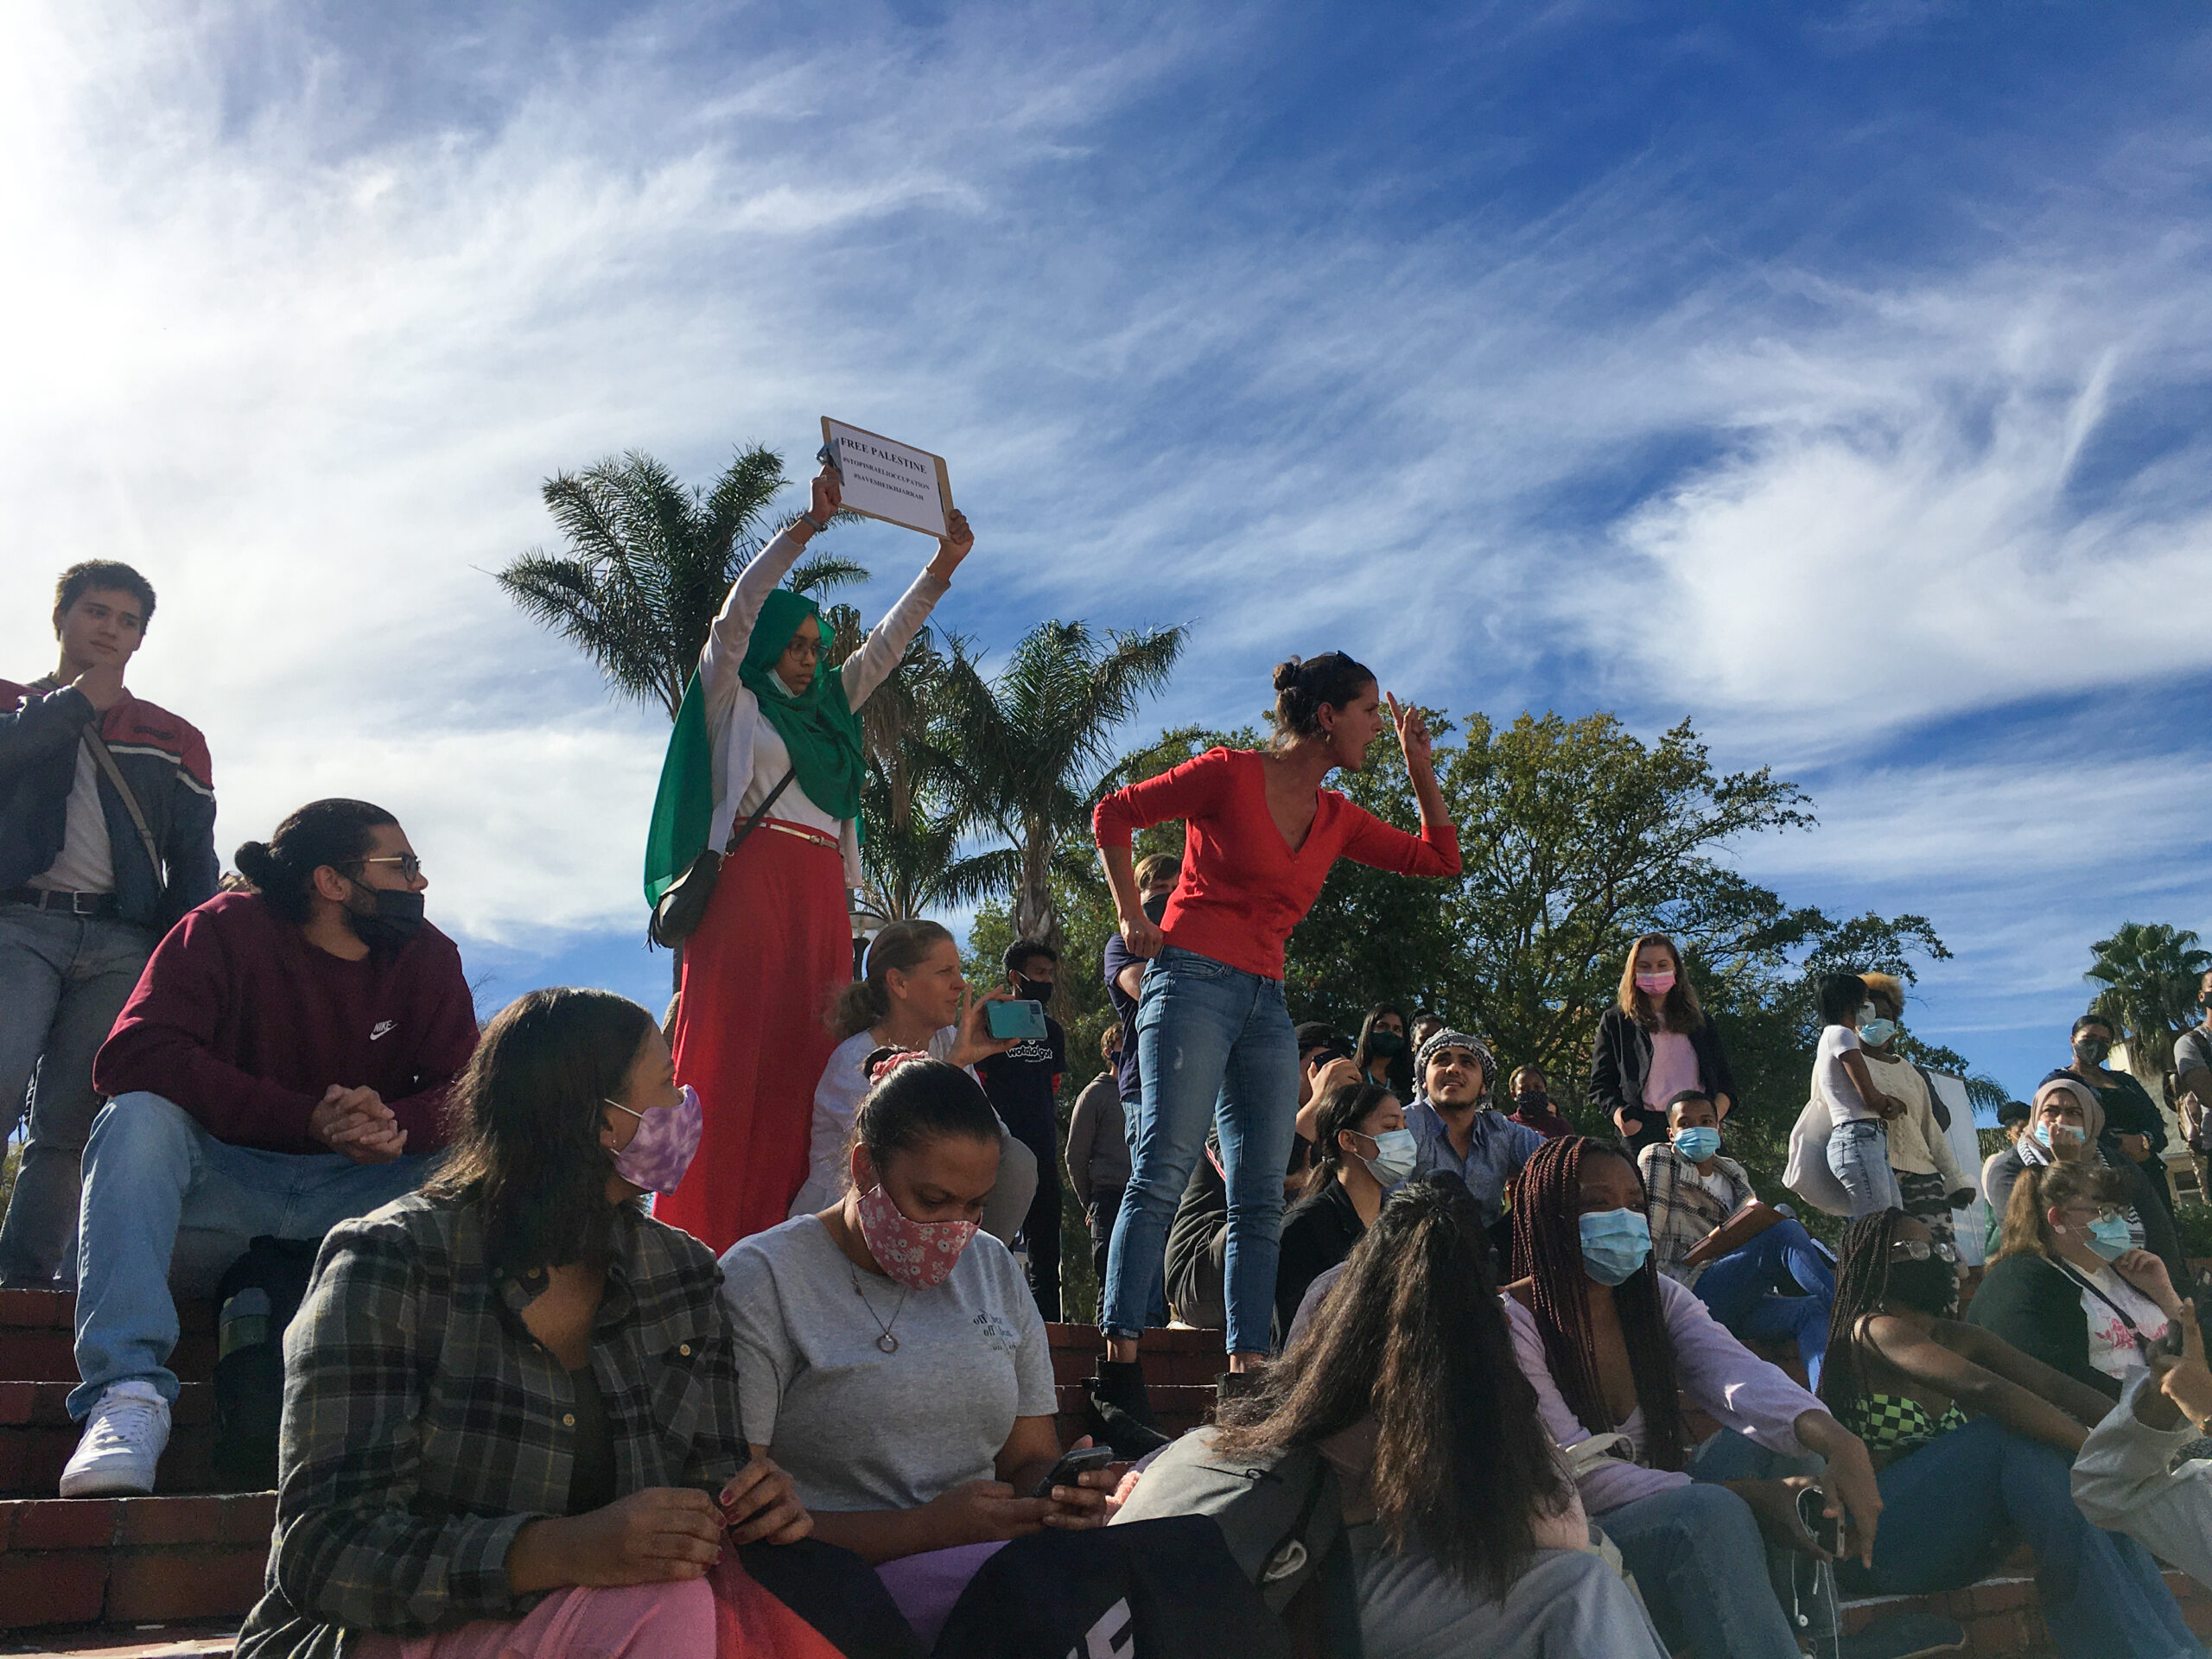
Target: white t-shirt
(860,1429)
(2111,1348)
(86,861)
(837,1097)
(1832,1085)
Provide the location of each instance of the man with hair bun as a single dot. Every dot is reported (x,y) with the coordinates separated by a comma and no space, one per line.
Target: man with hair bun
(107,819)
(282,1067)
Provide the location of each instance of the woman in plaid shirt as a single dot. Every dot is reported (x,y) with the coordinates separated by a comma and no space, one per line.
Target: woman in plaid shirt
(511,1405)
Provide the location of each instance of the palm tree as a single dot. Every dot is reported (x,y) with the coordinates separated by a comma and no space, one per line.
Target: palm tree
(1026,755)
(2151,973)
(649,562)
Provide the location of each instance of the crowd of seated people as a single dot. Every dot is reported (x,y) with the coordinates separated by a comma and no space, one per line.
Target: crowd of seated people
(524,1415)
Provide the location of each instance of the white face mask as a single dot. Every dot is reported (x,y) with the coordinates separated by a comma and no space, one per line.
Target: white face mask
(1395,1151)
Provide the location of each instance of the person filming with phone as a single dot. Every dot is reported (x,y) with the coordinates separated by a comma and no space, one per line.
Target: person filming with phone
(1024,1085)
(910,995)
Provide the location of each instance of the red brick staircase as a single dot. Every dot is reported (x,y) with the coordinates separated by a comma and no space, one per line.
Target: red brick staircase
(174,1574)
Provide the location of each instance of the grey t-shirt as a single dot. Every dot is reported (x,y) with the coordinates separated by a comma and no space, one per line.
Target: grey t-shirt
(857,1428)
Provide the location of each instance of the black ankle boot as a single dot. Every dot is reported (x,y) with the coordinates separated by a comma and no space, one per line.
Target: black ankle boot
(1120,1415)
(1235,1385)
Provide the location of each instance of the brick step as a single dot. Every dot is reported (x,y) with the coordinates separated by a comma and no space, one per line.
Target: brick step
(119,1561)
(37,1437)
(2003,1615)
(37,1329)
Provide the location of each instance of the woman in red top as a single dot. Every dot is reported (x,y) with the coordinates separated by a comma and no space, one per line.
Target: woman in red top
(1260,835)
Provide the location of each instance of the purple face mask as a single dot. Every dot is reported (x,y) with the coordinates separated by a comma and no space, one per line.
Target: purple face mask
(661,1150)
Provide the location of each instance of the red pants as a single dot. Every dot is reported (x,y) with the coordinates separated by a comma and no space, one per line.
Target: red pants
(751,1033)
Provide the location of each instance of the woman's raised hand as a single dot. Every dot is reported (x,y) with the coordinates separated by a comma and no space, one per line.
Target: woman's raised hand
(953,546)
(828,495)
(976,1042)
(1413,737)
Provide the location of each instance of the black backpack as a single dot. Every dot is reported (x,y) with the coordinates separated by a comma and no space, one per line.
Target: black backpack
(258,1294)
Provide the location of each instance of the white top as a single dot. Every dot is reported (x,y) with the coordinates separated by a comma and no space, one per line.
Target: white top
(837,1098)
(1832,1085)
(2112,1350)
(858,1428)
(87,862)
(749,758)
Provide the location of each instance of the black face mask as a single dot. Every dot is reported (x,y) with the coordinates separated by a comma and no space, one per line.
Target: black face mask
(1533,1099)
(1156,906)
(1037,990)
(1930,1286)
(396,918)
(2092,1051)
(1385,1044)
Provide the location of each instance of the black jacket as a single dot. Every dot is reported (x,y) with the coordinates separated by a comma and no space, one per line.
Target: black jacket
(2027,1301)
(1317,1233)
(165,760)
(1621,1059)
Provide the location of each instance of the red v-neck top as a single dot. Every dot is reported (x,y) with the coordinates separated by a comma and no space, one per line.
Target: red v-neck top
(1242,888)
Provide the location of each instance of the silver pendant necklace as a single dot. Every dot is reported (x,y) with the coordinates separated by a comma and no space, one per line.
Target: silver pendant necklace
(886,1342)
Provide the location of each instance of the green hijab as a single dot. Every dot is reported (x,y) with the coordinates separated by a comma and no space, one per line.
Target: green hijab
(817,725)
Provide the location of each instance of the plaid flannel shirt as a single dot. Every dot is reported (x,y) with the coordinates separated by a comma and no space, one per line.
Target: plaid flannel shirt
(1680,1209)
(424,1426)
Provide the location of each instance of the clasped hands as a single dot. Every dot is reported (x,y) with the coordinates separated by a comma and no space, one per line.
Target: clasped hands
(357,1122)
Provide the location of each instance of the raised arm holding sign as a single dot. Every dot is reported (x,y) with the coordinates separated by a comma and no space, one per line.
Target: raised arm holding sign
(883,479)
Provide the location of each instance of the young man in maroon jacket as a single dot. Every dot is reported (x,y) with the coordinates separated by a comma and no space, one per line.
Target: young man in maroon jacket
(107,835)
(281,1066)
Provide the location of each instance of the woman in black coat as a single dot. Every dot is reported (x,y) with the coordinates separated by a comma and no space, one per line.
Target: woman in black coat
(1657,1014)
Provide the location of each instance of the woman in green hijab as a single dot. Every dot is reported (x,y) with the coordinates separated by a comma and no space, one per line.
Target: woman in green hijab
(769,723)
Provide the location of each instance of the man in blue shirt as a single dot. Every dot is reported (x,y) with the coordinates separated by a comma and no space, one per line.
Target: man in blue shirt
(1454,1126)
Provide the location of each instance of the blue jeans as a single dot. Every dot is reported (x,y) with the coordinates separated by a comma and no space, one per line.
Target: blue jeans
(63,979)
(1952,1510)
(1700,1558)
(1738,1291)
(152,1174)
(1214,1047)
(1859,1155)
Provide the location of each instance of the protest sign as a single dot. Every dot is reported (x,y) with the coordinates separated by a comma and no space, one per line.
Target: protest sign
(886,479)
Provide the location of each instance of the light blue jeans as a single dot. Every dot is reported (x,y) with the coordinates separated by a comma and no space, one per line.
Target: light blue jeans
(152,1176)
(63,979)
(1858,1154)
(1214,1047)
(1700,1558)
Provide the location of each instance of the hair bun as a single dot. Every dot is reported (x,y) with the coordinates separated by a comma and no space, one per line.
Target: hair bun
(256,862)
(1288,674)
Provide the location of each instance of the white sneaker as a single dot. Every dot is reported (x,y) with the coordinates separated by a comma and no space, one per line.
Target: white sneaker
(123,1440)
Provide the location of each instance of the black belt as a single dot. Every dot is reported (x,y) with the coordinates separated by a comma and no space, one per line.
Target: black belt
(76,904)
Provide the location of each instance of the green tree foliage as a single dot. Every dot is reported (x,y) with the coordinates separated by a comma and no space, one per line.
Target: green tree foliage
(1025,756)
(649,562)
(2150,973)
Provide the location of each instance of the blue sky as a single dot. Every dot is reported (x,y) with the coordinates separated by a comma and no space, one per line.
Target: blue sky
(1837,376)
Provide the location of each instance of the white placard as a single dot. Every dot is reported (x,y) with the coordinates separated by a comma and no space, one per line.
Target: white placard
(887,479)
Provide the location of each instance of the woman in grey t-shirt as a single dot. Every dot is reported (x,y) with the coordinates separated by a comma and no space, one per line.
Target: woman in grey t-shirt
(893,1356)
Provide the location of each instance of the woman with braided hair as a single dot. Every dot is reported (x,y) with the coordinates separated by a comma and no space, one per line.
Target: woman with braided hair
(1607,1340)
(1976,1444)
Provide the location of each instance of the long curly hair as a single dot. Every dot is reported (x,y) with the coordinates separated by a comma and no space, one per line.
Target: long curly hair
(1413,1336)
(1547,1252)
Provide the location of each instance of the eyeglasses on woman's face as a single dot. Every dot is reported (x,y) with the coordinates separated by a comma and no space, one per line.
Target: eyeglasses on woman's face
(1922,1249)
(2093,1213)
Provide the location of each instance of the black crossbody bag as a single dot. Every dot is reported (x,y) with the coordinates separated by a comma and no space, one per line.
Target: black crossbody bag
(684,907)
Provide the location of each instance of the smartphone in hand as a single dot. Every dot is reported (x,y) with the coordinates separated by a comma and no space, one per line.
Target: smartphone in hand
(1072,1464)
(1827,1529)
(1022,1020)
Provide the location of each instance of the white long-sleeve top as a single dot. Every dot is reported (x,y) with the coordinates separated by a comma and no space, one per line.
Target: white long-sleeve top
(2121,1482)
(749,756)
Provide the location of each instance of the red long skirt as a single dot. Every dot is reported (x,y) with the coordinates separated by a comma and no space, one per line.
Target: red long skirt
(751,1031)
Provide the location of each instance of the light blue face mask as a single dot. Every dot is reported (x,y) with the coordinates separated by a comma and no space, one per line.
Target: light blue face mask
(1875,1032)
(2109,1237)
(1697,1144)
(1395,1151)
(1615,1244)
(2043,1132)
